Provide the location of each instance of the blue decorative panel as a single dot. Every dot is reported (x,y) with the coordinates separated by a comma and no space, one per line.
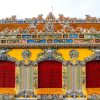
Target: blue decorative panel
(31,41)
(26,36)
(56,41)
(73,35)
(42,41)
(67,40)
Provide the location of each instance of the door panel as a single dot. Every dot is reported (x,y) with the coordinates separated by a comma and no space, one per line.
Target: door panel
(7,74)
(93,74)
(50,74)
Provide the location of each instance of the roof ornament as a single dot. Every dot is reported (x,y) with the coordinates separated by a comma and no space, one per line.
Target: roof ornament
(49,23)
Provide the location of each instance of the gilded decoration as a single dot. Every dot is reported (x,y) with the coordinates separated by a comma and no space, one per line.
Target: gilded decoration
(4,56)
(50,54)
(49,31)
(26,54)
(35,78)
(74,54)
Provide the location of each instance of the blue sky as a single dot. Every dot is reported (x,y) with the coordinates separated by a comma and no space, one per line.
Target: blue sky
(30,8)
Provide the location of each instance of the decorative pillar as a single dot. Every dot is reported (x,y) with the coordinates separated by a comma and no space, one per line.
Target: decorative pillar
(73,79)
(78,79)
(84,80)
(35,76)
(22,78)
(26,75)
(74,75)
(30,77)
(21,88)
(69,75)
(73,55)
(64,77)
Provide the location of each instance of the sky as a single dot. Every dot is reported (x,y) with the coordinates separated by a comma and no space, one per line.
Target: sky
(32,8)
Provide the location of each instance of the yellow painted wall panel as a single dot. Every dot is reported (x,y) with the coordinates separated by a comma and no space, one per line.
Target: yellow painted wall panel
(17,53)
(83,53)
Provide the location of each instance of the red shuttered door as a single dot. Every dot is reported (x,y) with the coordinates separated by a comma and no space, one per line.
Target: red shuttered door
(93,74)
(7,74)
(1,76)
(50,74)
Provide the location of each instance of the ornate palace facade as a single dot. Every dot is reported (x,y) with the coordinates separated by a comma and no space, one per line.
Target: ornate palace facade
(50,59)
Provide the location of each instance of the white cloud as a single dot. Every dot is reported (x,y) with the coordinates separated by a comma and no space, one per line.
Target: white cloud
(30,8)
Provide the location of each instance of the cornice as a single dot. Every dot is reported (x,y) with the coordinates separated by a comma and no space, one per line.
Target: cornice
(45,45)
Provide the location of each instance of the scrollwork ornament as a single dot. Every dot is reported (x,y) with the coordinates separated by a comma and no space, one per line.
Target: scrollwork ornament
(26,54)
(74,54)
(50,54)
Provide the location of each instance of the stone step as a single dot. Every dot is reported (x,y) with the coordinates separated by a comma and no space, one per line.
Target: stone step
(49,99)
(25,98)
(74,99)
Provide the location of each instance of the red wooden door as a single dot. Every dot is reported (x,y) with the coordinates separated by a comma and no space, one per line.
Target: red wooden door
(7,74)
(1,76)
(93,74)
(50,74)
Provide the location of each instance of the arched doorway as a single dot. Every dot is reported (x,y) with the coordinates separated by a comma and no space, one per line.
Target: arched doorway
(49,74)
(93,74)
(7,74)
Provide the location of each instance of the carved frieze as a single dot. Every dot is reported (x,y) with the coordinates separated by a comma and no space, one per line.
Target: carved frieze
(49,54)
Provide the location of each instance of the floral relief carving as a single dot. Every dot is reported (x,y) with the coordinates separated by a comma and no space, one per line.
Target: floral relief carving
(49,54)
(74,54)
(26,54)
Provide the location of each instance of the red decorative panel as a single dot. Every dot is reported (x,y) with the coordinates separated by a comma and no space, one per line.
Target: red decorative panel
(7,74)
(93,74)
(50,74)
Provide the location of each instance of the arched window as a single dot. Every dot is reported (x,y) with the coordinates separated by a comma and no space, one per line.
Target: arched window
(7,74)
(50,74)
(93,74)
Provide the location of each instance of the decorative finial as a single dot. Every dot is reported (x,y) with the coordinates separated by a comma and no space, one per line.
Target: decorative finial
(52,9)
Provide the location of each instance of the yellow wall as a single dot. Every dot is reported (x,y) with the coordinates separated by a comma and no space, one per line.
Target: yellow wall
(83,53)
(17,53)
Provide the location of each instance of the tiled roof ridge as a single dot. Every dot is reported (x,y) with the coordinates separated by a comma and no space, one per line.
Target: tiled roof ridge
(50,16)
